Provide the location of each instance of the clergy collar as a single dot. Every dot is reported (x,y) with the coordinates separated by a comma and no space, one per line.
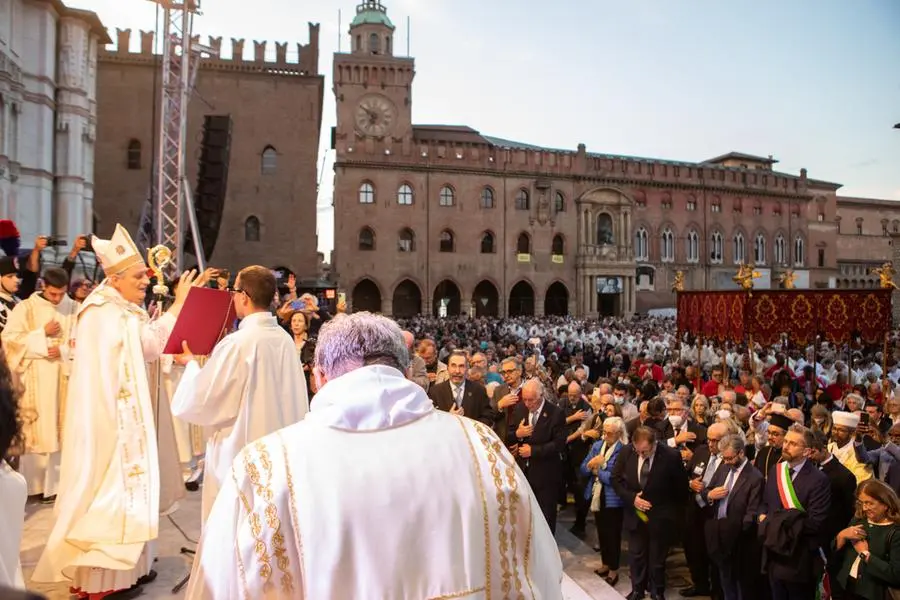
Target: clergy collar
(257,318)
(370,399)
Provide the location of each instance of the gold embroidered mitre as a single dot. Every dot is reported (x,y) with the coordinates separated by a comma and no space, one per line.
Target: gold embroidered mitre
(118,253)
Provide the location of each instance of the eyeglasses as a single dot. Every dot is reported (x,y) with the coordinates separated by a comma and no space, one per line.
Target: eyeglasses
(235,290)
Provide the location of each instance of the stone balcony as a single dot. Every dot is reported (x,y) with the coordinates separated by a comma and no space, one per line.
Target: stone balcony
(590,255)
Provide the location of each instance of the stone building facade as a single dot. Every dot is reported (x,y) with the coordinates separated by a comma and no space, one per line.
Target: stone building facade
(269,214)
(441,219)
(865,241)
(48,116)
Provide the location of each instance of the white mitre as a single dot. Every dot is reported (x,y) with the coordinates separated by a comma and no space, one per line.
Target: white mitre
(117,254)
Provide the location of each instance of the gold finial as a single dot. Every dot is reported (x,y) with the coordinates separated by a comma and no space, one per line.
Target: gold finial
(745,277)
(787,279)
(886,276)
(158,257)
(678,284)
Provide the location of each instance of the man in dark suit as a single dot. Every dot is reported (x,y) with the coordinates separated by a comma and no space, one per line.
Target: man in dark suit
(505,398)
(703,464)
(771,454)
(650,479)
(682,432)
(734,495)
(795,573)
(461,397)
(540,433)
(843,498)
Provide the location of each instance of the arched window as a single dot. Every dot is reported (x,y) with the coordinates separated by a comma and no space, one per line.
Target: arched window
(269,162)
(641,247)
(358,42)
(523,244)
(799,252)
(251,229)
(366,239)
(447,196)
(487,243)
(405,195)
(387,45)
(558,246)
(605,235)
(759,249)
(780,254)
(739,254)
(407,241)
(692,246)
(446,241)
(523,202)
(487,198)
(667,246)
(559,203)
(134,155)
(715,253)
(366,193)
(374,43)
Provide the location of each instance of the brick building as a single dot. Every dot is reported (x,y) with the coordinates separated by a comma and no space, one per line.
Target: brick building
(441,219)
(269,212)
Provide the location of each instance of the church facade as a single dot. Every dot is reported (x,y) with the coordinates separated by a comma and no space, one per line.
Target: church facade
(48,116)
(443,219)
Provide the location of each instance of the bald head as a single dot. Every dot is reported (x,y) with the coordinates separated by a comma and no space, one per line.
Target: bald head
(410,339)
(795,415)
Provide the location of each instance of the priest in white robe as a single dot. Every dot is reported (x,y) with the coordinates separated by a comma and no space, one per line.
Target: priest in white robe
(376,494)
(107,513)
(251,386)
(13,494)
(37,339)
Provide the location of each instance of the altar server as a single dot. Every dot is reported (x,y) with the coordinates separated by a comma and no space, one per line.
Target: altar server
(38,340)
(376,494)
(251,385)
(107,513)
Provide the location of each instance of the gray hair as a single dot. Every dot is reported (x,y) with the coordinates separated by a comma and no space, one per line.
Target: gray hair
(352,341)
(619,424)
(537,385)
(733,442)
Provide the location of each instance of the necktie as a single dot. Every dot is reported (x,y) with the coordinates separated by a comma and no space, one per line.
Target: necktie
(710,469)
(534,418)
(645,473)
(723,503)
(459,394)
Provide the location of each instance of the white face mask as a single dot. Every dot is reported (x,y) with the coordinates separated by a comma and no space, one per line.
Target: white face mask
(819,421)
(619,399)
(676,421)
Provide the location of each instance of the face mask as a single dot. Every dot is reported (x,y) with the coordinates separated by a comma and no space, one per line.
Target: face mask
(676,420)
(619,399)
(819,421)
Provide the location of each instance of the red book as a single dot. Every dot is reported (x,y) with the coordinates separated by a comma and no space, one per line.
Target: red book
(205,318)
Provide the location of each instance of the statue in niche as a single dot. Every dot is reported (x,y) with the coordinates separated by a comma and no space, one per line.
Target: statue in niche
(605,235)
(543,208)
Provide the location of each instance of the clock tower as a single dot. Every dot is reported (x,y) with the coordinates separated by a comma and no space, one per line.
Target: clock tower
(373,88)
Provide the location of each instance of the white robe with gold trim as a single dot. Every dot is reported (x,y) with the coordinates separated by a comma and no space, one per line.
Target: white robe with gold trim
(44,381)
(108,506)
(13,496)
(377,495)
(251,385)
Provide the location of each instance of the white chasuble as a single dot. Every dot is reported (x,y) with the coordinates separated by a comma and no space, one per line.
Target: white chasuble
(251,385)
(376,495)
(108,505)
(13,495)
(45,379)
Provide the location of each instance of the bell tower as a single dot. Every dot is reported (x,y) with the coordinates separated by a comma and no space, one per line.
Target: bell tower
(373,87)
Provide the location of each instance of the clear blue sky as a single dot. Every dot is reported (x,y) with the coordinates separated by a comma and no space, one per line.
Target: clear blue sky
(813,82)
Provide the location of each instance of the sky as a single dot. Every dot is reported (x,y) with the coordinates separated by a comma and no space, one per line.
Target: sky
(814,83)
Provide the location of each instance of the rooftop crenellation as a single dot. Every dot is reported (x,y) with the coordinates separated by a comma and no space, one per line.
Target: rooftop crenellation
(268,57)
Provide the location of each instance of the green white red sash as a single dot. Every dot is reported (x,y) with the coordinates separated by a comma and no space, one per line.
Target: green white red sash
(786,488)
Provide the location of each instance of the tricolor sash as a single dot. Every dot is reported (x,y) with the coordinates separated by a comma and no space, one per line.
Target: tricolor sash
(786,488)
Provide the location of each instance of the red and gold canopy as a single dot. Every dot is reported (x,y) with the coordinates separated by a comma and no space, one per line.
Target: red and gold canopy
(836,315)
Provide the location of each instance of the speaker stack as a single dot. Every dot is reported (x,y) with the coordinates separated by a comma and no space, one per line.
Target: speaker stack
(212,182)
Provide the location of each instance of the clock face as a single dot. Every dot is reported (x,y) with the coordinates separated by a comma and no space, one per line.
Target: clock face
(375,115)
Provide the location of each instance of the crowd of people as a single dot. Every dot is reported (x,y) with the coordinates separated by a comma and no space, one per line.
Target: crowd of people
(776,469)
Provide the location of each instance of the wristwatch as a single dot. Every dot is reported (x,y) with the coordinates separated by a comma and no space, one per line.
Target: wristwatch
(864,555)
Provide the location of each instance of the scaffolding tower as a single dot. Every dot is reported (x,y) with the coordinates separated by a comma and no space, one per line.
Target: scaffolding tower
(170,199)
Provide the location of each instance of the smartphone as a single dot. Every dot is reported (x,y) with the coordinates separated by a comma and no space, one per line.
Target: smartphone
(342,297)
(864,418)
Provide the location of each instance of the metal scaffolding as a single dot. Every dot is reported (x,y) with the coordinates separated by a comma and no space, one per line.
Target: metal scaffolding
(170,194)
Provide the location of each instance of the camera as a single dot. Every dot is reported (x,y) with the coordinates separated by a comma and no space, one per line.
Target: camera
(53,242)
(88,244)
